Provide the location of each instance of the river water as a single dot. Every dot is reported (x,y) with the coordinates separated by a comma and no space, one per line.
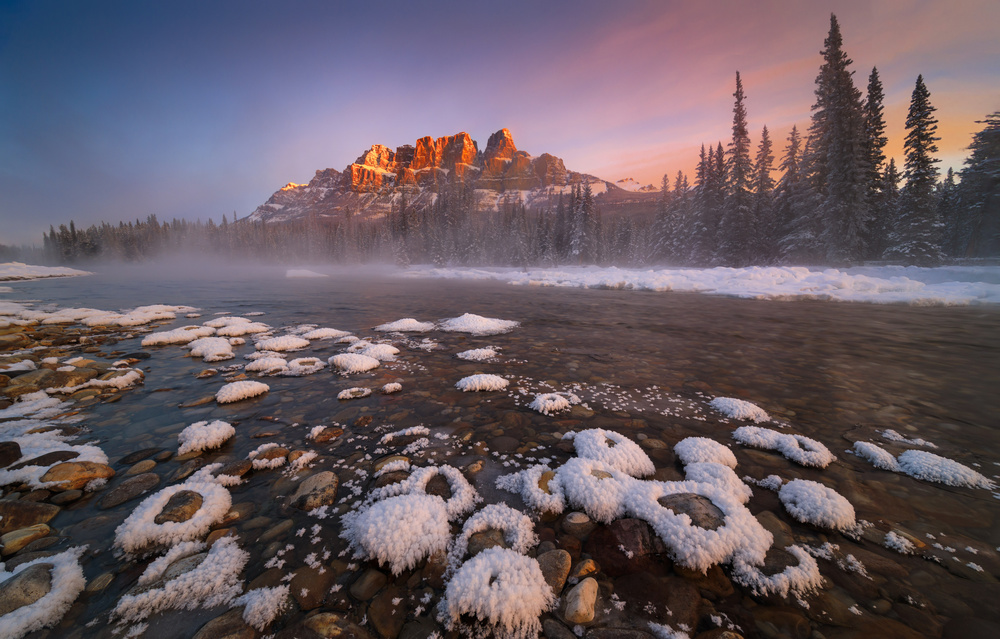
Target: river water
(644,364)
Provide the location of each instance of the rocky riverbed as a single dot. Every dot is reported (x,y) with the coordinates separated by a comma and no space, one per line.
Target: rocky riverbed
(641,366)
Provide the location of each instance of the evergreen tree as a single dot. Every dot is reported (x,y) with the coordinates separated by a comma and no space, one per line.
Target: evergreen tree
(839,168)
(948,212)
(874,146)
(763,199)
(916,234)
(737,223)
(662,225)
(887,208)
(977,232)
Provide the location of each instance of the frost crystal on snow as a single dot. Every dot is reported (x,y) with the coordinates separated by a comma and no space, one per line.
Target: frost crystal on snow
(720,475)
(66,577)
(354,393)
(392,387)
(548,403)
(139,531)
(237,391)
(518,530)
(262,605)
(325,333)
(613,449)
(813,503)
(211,349)
(399,531)
(930,467)
(482,382)
(739,409)
(283,344)
(405,325)
(477,354)
(878,456)
(539,487)
(204,435)
(800,579)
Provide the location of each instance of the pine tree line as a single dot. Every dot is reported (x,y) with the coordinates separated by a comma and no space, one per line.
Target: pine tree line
(837,201)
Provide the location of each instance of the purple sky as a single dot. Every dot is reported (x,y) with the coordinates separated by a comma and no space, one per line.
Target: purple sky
(116,110)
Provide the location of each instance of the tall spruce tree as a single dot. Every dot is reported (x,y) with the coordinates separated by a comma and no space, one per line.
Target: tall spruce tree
(978,226)
(874,145)
(736,231)
(839,168)
(916,235)
(763,200)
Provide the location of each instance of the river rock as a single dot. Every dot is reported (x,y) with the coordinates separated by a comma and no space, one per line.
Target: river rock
(181,506)
(18,539)
(15,514)
(552,629)
(309,586)
(236,468)
(138,456)
(47,459)
(229,625)
(555,566)
(187,469)
(128,489)
(480,541)
(605,545)
(578,524)
(66,497)
(700,509)
(25,588)
(369,583)
(10,452)
(141,467)
(315,491)
(388,612)
(76,475)
(580,601)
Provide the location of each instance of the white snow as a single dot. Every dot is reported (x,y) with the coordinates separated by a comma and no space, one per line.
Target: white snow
(325,333)
(595,487)
(879,285)
(303,366)
(504,590)
(21,271)
(392,387)
(798,448)
(381,352)
(800,579)
(482,382)
(813,503)
(612,449)
(204,435)
(878,456)
(528,483)
(237,391)
(477,325)
(354,393)
(739,409)
(720,475)
(67,581)
(693,450)
(930,467)
(262,605)
(139,532)
(267,365)
(518,531)
(283,344)
(463,496)
(406,432)
(181,335)
(211,349)
(477,354)
(548,403)
(405,325)
(399,531)
(348,363)
(898,543)
(242,328)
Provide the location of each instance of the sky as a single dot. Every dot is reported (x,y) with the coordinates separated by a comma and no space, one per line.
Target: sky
(117,110)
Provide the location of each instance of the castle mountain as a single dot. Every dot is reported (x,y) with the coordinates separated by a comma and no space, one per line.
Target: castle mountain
(382,177)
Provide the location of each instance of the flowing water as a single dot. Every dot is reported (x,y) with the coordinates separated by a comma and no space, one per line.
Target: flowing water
(644,364)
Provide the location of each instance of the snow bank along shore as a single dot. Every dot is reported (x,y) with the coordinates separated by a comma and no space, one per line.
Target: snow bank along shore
(472,500)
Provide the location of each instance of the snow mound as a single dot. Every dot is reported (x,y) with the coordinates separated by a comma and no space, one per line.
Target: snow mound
(226,320)
(612,449)
(181,335)
(595,487)
(405,325)
(242,328)
(798,448)
(399,531)
(214,582)
(739,409)
(813,503)
(381,352)
(477,354)
(348,363)
(211,349)
(392,387)
(66,577)
(800,579)
(303,366)
(406,432)
(267,365)
(482,382)
(548,403)
(283,344)
(463,496)
(504,590)
(354,393)
(204,435)
(237,391)
(478,325)
(518,531)
(720,475)
(930,467)
(693,546)
(692,450)
(878,456)
(325,333)
(539,487)
(140,533)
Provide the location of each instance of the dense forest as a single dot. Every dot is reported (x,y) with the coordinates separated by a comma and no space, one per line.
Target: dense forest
(837,201)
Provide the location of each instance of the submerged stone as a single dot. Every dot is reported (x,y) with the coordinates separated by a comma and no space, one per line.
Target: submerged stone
(181,506)
(25,588)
